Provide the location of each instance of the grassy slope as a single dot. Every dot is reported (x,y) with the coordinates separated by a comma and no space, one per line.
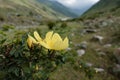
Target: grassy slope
(69,71)
(27,11)
(104,8)
(59,8)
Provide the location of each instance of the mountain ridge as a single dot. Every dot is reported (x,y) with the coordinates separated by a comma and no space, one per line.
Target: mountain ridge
(103,8)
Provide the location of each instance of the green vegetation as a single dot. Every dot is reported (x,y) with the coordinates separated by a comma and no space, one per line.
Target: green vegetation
(94,42)
(104,8)
(24,11)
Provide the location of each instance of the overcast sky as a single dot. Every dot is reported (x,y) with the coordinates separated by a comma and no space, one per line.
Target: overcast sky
(78,6)
(77,3)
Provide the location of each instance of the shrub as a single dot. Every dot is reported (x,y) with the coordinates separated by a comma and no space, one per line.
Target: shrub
(35,63)
(63,25)
(51,24)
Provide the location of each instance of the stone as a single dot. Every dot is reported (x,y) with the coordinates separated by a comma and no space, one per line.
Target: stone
(107,45)
(99,70)
(97,38)
(116,70)
(82,45)
(69,49)
(80,52)
(90,30)
(89,64)
(72,34)
(104,23)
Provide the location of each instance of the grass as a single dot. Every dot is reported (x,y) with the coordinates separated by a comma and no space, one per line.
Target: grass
(103,8)
(20,12)
(71,70)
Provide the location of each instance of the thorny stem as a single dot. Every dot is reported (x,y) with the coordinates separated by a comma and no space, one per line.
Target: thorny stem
(51,53)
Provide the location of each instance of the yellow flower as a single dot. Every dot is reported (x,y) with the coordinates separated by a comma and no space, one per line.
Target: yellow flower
(52,41)
(30,41)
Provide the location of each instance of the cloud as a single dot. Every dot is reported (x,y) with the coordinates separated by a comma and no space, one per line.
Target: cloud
(77,3)
(78,6)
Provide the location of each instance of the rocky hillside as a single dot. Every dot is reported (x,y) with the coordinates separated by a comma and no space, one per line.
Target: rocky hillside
(104,8)
(27,11)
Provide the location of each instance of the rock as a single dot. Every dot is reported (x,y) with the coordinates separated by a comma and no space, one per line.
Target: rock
(77,45)
(80,52)
(82,45)
(72,34)
(107,45)
(99,70)
(90,30)
(101,53)
(89,64)
(117,54)
(97,38)
(98,50)
(116,70)
(84,31)
(69,49)
(110,21)
(18,14)
(104,24)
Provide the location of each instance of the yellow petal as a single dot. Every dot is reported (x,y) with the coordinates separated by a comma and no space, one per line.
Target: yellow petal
(36,35)
(56,42)
(56,37)
(57,45)
(60,45)
(44,44)
(32,39)
(29,42)
(49,36)
(65,43)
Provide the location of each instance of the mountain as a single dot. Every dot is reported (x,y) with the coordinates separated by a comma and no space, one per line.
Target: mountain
(56,6)
(32,10)
(104,8)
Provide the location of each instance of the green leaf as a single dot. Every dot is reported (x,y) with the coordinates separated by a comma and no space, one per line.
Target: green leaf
(2,41)
(12,51)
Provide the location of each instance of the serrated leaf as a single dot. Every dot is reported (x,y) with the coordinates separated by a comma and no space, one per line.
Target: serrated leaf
(2,41)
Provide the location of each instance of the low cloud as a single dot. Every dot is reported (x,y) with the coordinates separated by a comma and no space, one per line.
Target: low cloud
(77,4)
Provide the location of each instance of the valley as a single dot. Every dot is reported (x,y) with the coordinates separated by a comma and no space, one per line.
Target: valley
(94,42)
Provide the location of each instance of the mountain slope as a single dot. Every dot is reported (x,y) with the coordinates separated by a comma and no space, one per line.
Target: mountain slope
(58,7)
(31,10)
(104,8)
